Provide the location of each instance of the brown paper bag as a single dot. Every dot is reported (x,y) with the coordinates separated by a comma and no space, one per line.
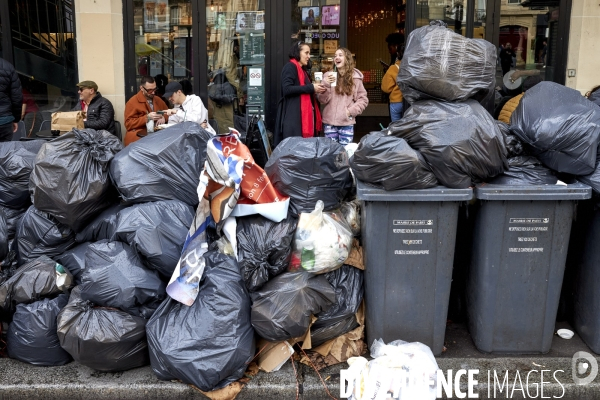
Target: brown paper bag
(65,121)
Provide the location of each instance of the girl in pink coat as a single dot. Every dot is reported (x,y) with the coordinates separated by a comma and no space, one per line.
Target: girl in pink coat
(345,97)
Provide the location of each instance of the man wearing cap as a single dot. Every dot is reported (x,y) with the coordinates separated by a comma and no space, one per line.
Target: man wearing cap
(187,108)
(99,112)
(141,108)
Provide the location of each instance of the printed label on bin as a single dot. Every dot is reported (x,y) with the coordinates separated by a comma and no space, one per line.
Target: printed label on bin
(412,230)
(522,240)
(413,222)
(529,220)
(408,240)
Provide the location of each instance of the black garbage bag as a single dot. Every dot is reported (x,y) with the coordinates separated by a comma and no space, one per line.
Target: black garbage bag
(525,170)
(32,334)
(39,234)
(283,307)
(209,343)
(460,141)
(34,281)
(16,163)
(156,231)
(390,162)
(347,282)
(308,170)
(264,248)
(3,237)
(102,227)
(74,260)
(12,217)
(102,338)
(324,333)
(440,64)
(559,126)
(70,178)
(115,277)
(163,166)
(514,146)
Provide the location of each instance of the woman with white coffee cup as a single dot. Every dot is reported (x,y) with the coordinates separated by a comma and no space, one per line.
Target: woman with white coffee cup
(344,98)
(298,112)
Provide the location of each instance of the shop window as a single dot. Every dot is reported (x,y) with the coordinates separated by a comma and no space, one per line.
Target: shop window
(163,40)
(452,12)
(235,40)
(317,23)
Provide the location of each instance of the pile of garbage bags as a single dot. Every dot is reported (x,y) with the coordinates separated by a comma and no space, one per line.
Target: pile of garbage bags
(446,135)
(87,262)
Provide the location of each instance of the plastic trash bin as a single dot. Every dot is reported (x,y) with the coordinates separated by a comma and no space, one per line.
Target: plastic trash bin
(408,239)
(520,244)
(585,288)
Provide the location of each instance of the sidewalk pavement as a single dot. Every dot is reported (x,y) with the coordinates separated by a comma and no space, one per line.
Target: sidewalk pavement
(74,381)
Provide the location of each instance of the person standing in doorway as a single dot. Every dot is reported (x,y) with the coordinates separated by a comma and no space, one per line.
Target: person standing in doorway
(344,98)
(506,58)
(389,85)
(11,101)
(298,112)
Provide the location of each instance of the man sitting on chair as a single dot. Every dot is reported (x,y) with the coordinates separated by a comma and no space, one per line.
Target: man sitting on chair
(100,114)
(187,108)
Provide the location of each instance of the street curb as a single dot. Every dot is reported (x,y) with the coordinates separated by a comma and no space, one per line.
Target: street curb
(74,381)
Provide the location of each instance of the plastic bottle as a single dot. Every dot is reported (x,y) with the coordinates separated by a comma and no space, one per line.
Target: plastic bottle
(150,125)
(307,258)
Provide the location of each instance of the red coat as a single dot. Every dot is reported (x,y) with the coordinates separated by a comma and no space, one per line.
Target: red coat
(136,110)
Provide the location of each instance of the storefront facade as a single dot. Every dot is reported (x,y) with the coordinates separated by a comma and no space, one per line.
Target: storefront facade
(246,41)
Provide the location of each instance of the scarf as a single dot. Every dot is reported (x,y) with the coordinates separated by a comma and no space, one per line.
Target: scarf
(306,108)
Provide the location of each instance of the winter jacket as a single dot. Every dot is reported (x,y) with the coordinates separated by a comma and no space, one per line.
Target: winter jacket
(509,108)
(193,110)
(389,85)
(136,111)
(289,121)
(100,114)
(11,97)
(336,104)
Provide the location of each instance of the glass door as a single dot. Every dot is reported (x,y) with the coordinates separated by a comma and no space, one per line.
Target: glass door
(235,41)
(163,41)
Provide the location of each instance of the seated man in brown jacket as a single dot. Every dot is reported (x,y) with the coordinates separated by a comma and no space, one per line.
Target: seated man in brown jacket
(141,108)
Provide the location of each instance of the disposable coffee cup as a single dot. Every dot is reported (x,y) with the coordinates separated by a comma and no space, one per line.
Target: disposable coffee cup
(335,76)
(318,77)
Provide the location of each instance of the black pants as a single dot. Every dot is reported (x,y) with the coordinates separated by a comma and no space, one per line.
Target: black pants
(6,132)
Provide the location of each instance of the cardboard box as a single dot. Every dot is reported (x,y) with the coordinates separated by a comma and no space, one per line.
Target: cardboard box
(65,121)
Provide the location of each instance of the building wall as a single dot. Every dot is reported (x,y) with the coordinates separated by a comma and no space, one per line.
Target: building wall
(100,48)
(584,45)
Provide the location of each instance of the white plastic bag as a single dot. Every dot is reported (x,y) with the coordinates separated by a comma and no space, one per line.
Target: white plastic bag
(322,242)
(399,369)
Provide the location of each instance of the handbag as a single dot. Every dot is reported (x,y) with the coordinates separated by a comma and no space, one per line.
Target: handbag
(65,121)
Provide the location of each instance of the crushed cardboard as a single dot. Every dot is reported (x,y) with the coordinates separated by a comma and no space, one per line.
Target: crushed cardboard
(231,391)
(340,349)
(355,258)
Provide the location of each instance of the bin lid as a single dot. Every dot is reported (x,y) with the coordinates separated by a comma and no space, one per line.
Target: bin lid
(368,192)
(576,191)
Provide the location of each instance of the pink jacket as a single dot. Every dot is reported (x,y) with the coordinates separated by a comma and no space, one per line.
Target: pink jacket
(335,104)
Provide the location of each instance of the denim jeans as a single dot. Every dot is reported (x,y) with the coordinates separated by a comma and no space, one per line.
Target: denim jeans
(396,111)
